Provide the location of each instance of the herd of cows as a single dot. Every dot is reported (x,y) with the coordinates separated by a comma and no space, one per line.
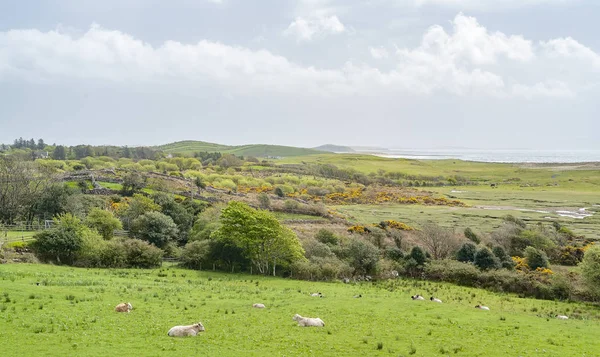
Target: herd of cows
(193,330)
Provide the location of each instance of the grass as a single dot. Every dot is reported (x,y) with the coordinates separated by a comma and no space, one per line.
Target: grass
(258,150)
(13,236)
(71,313)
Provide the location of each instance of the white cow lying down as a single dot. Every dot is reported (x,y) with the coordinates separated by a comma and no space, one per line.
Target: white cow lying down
(308,321)
(259,306)
(123,307)
(190,330)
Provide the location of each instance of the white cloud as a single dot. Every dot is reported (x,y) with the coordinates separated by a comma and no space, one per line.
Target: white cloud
(379,52)
(486,4)
(307,28)
(467,61)
(470,43)
(548,88)
(569,48)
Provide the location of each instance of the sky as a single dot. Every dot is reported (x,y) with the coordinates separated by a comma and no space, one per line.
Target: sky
(389,73)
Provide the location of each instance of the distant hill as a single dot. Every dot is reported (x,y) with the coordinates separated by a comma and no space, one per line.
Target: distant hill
(334,148)
(256,150)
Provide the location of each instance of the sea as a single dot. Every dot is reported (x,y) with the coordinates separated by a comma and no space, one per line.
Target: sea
(501,156)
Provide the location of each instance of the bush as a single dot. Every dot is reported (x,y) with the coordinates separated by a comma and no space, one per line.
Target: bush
(470,235)
(141,254)
(452,271)
(590,270)
(536,258)
(512,219)
(362,256)
(154,227)
(195,254)
(279,192)
(485,259)
(61,243)
(418,254)
(466,253)
(291,206)
(104,222)
(112,255)
(394,254)
(326,236)
(263,201)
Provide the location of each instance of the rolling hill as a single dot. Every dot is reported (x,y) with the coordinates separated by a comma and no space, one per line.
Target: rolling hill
(257,150)
(334,148)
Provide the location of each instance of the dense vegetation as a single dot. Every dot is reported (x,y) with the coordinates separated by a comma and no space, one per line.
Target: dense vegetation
(124,207)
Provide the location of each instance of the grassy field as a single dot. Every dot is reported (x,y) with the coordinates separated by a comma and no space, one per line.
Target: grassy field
(487,207)
(533,192)
(71,313)
(576,176)
(257,150)
(12,236)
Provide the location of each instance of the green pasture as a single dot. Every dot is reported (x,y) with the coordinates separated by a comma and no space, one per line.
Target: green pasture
(13,236)
(567,176)
(71,313)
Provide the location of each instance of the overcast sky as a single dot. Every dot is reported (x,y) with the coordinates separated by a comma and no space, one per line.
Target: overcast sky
(393,73)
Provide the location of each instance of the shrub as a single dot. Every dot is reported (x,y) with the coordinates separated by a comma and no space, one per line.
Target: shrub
(140,254)
(394,253)
(466,253)
(590,270)
(362,256)
(315,248)
(326,236)
(104,222)
(418,254)
(263,201)
(291,206)
(536,258)
(154,227)
(452,271)
(195,254)
(485,259)
(112,255)
(62,242)
(279,192)
(470,235)
(512,219)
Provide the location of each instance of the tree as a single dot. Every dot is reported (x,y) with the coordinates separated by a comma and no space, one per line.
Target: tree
(155,228)
(136,206)
(206,223)
(363,256)
(590,270)
(40,144)
(180,215)
(418,254)
(466,253)
(104,222)
(229,160)
(195,254)
(132,182)
(259,234)
(504,258)
(51,202)
(485,259)
(440,241)
(536,258)
(470,235)
(21,185)
(59,153)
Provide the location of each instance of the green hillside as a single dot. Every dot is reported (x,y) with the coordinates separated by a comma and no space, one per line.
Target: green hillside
(258,150)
